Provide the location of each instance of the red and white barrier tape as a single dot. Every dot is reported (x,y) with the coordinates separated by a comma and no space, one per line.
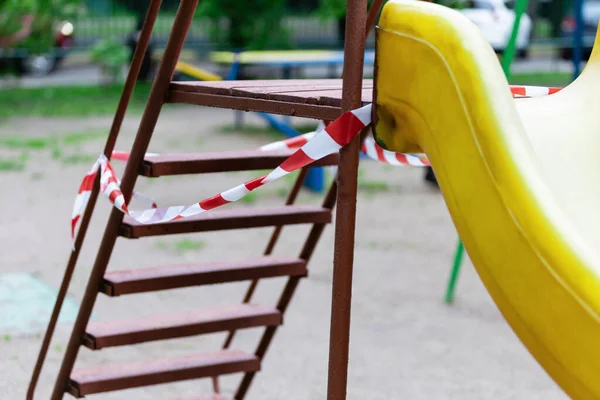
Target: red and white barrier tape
(326,141)
(372,150)
(124,155)
(532,91)
(310,147)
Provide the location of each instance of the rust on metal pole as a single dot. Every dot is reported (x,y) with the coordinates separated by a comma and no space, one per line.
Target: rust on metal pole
(286,296)
(132,76)
(291,199)
(343,256)
(62,292)
(130,81)
(372,17)
(181,24)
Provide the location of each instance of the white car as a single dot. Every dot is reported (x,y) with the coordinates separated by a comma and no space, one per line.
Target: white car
(495,19)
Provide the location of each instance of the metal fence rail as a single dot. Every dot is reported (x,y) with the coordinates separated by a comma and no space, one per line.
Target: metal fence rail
(305,31)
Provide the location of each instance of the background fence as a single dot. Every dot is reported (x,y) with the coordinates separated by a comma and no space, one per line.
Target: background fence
(305,31)
(109,18)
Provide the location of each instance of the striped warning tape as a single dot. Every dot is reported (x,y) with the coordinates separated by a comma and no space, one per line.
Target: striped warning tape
(326,141)
(532,91)
(311,147)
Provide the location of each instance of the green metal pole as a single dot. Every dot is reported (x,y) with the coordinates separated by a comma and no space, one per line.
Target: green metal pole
(511,46)
(507,59)
(458,256)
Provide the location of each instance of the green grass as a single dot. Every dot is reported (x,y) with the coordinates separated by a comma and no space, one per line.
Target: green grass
(184,245)
(370,187)
(373,186)
(181,245)
(541,79)
(250,198)
(175,143)
(17,142)
(68,101)
(55,143)
(14,164)
(77,138)
(75,159)
(282,192)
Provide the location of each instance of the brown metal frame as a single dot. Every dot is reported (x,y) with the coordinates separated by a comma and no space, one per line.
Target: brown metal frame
(344,189)
(134,70)
(156,98)
(347,179)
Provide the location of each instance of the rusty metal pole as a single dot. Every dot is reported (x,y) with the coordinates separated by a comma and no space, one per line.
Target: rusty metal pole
(130,81)
(372,17)
(291,199)
(343,256)
(306,253)
(181,25)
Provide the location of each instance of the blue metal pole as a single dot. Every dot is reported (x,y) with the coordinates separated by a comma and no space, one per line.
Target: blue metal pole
(315,180)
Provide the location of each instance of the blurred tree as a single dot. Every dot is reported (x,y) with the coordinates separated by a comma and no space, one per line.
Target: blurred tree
(110,55)
(246,27)
(302,5)
(30,24)
(452,3)
(336,9)
(139,8)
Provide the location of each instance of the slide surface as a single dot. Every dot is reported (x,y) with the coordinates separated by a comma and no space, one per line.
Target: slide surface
(521,178)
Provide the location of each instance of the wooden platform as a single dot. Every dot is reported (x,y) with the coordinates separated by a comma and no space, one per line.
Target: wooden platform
(152,372)
(240,218)
(177,325)
(165,277)
(310,98)
(251,160)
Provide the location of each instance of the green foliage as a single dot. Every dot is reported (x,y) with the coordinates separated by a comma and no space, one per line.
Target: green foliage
(337,8)
(45,14)
(181,246)
(111,55)
(140,6)
(458,4)
(69,101)
(334,8)
(235,24)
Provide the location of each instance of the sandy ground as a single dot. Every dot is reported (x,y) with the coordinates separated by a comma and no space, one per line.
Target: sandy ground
(405,342)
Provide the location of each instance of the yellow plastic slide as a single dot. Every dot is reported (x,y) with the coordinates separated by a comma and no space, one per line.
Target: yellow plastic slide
(521,178)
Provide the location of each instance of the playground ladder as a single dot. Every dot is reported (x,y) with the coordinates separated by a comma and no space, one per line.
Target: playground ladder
(318,99)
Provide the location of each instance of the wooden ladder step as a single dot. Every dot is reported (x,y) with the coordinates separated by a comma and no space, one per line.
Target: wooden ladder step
(178,276)
(151,372)
(310,98)
(179,164)
(238,218)
(120,333)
